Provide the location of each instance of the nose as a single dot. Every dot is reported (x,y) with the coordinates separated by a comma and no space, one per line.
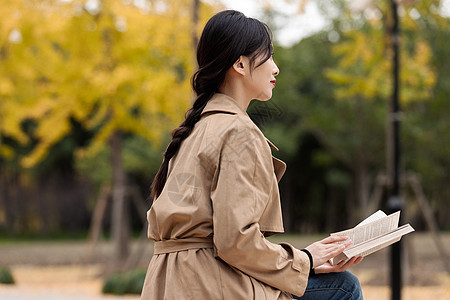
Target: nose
(276,71)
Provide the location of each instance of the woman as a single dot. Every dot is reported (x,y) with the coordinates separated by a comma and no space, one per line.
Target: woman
(216,193)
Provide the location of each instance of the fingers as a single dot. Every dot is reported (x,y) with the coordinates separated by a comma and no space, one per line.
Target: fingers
(328,268)
(342,266)
(336,249)
(345,244)
(327,248)
(334,239)
(358,260)
(327,252)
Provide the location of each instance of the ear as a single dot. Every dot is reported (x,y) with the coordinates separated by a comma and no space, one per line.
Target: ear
(241,66)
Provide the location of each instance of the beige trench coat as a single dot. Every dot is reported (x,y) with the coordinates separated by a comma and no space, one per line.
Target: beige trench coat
(209,224)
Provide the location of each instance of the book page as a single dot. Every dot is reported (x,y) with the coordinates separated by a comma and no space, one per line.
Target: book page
(373,217)
(371,230)
(355,252)
(346,255)
(379,242)
(374,244)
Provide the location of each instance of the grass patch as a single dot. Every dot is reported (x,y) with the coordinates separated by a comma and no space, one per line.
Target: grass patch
(6,276)
(130,282)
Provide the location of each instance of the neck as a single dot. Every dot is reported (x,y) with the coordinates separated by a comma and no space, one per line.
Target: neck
(237,92)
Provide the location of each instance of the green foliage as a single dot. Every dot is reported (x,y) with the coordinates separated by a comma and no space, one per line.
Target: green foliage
(6,276)
(130,282)
(426,126)
(336,87)
(365,59)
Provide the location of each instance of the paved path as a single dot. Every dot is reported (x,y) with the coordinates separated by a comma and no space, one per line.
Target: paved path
(71,282)
(82,282)
(14,293)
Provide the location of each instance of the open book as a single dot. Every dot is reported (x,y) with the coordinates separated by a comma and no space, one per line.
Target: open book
(374,233)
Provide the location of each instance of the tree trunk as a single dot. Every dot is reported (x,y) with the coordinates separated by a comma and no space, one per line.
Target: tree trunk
(287,203)
(362,189)
(4,205)
(362,179)
(120,224)
(14,214)
(330,211)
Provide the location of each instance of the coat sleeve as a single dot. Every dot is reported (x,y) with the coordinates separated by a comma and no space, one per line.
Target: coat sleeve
(241,190)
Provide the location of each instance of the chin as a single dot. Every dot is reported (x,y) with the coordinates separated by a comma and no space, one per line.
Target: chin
(264,97)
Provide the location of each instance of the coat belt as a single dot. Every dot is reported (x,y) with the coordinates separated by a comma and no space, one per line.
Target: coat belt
(168,246)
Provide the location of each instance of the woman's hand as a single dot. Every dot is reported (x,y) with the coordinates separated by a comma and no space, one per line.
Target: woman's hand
(322,251)
(340,267)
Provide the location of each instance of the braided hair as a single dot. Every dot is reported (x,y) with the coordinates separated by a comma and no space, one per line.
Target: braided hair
(226,36)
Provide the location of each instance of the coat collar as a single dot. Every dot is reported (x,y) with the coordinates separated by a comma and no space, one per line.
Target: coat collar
(223,103)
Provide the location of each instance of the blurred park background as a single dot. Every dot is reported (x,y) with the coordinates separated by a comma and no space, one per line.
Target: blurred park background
(91,89)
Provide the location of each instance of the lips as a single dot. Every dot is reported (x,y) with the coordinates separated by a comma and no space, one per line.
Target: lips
(273,82)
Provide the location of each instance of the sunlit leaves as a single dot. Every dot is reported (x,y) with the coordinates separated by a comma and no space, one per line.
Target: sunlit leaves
(109,65)
(365,58)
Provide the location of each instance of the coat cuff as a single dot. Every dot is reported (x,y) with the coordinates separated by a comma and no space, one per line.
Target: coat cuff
(300,264)
(311,262)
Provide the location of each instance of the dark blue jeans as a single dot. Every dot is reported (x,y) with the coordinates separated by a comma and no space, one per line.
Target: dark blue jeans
(333,286)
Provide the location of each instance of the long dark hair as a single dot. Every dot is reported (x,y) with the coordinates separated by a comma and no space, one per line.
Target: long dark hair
(226,36)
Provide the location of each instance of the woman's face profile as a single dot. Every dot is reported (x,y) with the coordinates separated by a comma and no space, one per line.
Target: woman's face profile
(261,80)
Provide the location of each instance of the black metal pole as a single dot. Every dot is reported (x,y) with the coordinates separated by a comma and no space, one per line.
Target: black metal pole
(395,202)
